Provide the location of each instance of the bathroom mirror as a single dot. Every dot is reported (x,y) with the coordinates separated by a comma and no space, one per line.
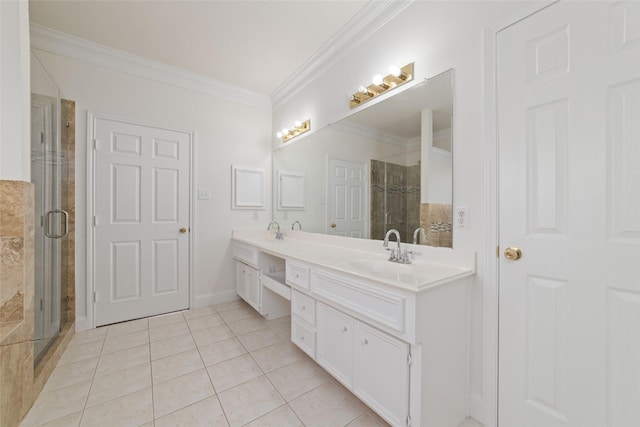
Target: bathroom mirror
(386,166)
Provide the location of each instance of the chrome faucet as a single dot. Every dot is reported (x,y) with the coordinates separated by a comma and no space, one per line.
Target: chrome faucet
(299,225)
(401,256)
(423,236)
(279,235)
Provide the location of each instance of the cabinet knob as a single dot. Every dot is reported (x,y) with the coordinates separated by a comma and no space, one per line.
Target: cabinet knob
(303,308)
(297,276)
(344,329)
(365,341)
(302,338)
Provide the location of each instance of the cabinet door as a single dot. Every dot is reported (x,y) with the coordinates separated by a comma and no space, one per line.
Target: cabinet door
(334,343)
(253,287)
(381,373)
(241,280)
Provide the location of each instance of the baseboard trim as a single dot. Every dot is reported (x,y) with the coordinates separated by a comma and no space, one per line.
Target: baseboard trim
(214,298)
(476,407)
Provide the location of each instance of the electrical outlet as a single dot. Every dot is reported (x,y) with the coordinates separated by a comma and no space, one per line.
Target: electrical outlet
(461,217)
(204,194)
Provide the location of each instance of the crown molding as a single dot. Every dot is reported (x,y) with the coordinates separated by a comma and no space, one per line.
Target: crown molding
(48,40)
(367,132)
(366,22)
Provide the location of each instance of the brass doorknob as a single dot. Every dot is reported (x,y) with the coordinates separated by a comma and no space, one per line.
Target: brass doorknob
(183,230)
(333,226)
(512,253)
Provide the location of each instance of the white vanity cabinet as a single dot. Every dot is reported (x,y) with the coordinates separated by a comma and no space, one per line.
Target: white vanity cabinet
(259,281)
(248,284)
(371,363)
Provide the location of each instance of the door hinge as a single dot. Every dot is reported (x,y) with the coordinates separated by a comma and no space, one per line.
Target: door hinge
(41,137)
(409,359)
(408,420)
(41,305)
(95,144)
(497,251)
(95,296)
(95,220)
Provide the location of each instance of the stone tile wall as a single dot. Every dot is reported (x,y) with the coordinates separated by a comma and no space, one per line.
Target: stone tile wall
(436,220)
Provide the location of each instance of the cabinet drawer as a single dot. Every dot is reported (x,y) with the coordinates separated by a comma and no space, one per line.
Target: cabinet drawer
(303,306)
(245,253)
(303,336)
(297,274)
(375,303)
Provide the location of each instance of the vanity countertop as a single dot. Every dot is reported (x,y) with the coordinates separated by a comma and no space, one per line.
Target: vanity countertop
(430,267)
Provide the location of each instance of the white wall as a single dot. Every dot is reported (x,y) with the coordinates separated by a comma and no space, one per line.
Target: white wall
(226,133)
(436,36)
(15,103)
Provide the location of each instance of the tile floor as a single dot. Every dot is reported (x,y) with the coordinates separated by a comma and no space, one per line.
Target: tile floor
(221,365)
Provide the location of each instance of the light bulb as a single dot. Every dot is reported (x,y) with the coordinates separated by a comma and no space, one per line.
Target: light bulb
(285,131)
(279,134)
(395,70)
(363,89)
(377,80)
(298,123)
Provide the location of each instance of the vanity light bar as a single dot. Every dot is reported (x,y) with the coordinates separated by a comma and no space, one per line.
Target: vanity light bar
(396,77)
(298,129)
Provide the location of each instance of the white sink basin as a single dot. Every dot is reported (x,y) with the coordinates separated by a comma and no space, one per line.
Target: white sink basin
(406,273)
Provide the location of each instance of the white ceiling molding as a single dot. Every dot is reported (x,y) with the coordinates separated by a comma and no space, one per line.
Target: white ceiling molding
(367,132)
(368,20)
(48,40)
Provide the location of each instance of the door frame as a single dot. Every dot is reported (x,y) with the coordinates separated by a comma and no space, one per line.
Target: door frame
(367,188)
(90,206)
(486,407)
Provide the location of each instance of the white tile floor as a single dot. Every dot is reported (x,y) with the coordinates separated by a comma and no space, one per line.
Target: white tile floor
(214,366)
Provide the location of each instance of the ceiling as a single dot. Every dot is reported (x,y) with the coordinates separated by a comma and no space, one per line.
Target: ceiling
(256,45)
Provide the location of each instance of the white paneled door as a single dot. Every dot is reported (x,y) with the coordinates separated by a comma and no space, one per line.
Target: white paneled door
(141,224)
(346,205)
(569,138)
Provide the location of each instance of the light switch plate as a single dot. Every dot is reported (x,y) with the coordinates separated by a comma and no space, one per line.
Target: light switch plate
(461,217)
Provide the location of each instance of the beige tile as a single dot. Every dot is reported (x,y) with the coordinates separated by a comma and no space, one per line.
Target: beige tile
(126,341)
(277,355)
(367,420)
(57,404)
(280,417)
(259,339)
(70,374)
(72,420)
(117,384)
(250,324)
(282,327)
(206,413)
(244,312)
(81,352)
(122,359)
(210,335)
(200,311)
(326,405)
(226,306)
(249,401)
(131,410)
(166,319)
(205,322)
(295,379)
(89,336)
(181,392)
(221,351)
(232,372)
(168,331)
(127,327)
(171,346)
(175,366)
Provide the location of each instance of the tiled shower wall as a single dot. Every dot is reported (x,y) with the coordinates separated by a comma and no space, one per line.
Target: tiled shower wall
(20,382)
(436,220)
(402,191)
